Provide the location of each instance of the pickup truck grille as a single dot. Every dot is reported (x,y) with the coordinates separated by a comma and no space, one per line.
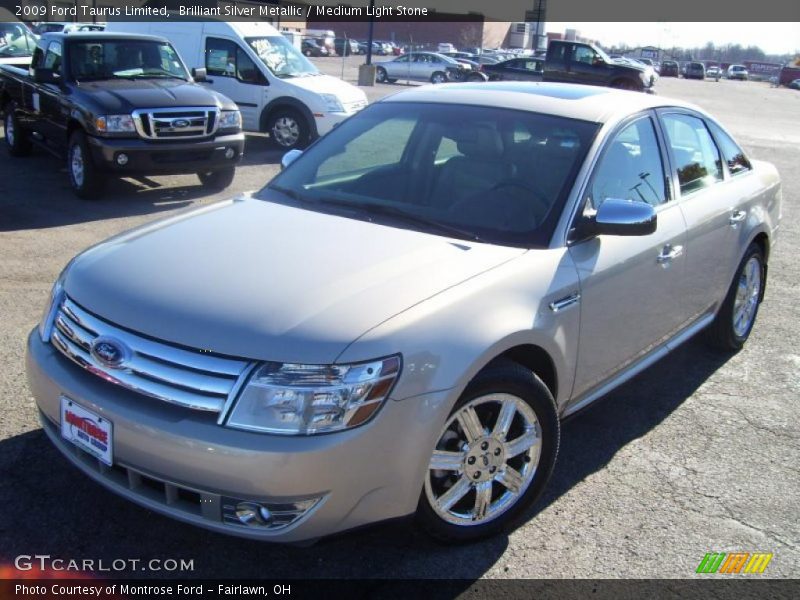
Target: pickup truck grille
(176,123)
(188,378)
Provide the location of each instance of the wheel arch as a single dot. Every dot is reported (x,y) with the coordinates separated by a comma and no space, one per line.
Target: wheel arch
(287,102)
(535,359)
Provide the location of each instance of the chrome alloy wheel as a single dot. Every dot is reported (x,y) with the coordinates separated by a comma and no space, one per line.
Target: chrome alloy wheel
(485,459)
(748,291)
(9,126)
(76,165)
(286,131)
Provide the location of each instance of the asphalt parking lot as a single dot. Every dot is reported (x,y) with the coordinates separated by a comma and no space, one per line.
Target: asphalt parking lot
(699,453)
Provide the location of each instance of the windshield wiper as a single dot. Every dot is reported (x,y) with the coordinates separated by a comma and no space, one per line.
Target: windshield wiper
(401,215)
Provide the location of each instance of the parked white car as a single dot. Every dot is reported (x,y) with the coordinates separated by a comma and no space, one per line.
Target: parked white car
(278,90)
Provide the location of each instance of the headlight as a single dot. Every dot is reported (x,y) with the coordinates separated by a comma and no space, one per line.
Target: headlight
(50,309)
(115,124)
(332,103)
(293,399)
(230,119)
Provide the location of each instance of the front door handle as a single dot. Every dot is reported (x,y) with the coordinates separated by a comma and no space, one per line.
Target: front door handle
(668,254)
(737,217)
(565,302)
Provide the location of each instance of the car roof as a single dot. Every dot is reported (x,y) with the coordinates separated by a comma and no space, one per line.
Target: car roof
(101,35)
(584,102)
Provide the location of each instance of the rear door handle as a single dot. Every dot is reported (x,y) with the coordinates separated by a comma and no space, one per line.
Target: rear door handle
(737,217)
(668,254)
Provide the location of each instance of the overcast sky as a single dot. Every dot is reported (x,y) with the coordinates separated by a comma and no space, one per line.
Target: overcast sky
(773,38)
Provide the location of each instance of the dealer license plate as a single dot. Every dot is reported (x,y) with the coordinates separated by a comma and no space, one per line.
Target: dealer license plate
(88,431)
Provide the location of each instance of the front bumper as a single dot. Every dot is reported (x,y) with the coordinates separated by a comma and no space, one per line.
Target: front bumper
(328,120)
(368,474)
(166,158)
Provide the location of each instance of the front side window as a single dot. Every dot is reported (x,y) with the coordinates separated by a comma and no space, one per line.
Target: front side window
(472,172)
(734,156)
(15,40)
(585,55)
(52,58)
(630,168)
(694,153)
(220,57)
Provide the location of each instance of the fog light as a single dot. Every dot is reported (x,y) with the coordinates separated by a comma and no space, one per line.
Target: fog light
(122,159)
(250,513)
(230,153)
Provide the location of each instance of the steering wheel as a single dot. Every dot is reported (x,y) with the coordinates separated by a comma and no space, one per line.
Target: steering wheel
(537,195)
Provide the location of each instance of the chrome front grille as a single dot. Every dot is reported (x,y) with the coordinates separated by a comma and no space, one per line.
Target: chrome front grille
(176,123)
(188,378)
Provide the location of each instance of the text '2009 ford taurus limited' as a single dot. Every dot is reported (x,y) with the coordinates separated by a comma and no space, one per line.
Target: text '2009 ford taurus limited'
(397,322)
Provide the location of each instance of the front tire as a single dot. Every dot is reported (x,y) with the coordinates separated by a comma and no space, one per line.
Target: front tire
(737,315)
(380,75)
(288,129)
(625,84)
(86,180)
(217,180)
(17,141)
(493,457)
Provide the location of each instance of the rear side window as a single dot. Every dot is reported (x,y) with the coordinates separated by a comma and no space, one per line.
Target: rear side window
(694,153)
(733,154)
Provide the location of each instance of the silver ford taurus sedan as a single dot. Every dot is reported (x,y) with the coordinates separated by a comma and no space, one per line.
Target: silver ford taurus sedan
(398,321)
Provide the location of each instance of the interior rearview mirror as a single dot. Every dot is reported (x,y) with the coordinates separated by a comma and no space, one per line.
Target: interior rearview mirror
(621,217)
(290,157)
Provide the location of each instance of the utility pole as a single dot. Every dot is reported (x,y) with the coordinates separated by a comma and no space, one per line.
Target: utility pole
(371,31)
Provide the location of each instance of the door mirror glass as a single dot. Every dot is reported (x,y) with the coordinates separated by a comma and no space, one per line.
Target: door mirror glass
(290,157)
(199,75)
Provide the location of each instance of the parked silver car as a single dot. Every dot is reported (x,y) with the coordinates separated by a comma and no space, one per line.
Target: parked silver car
(420,66)
(398,321)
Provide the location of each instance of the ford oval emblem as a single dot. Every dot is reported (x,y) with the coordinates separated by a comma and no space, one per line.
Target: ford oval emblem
(180,123)
(110,352)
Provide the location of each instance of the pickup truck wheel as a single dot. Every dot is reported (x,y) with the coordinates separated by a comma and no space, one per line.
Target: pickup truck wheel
(737,315)
(217,180)
(438,77)
(86,180)
(493,457)
(17,140)
(288,129)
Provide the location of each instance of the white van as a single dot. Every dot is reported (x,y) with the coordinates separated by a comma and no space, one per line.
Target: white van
(278,90)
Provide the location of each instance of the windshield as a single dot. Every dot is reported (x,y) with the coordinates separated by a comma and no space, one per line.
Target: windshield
(471,172)
(124,59)
(16,40)
(280,57)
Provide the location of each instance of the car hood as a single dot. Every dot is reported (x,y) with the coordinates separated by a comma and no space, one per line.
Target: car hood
(259,280)
(122,95)
(624,62)
(325,84)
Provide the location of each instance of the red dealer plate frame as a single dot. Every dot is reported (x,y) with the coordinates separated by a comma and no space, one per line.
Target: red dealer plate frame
(87,430)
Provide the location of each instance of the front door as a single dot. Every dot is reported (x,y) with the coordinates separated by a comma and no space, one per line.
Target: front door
(631,287)
(234,74)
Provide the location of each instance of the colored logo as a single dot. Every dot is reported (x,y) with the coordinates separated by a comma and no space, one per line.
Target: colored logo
(110,352)
(733,563)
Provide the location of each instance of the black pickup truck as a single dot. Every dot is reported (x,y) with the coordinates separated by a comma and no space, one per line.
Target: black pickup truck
(575,62)
(578,62)
(119,104)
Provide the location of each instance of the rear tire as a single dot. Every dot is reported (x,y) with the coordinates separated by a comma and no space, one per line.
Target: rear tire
(493,459)
(438,77)
(86,180)
(737,315)
(217,180)
(17,141)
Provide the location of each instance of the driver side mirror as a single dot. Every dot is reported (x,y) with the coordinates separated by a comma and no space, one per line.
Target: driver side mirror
(42,75)
(598,61)
(199,74)
(620,217)
(290,157)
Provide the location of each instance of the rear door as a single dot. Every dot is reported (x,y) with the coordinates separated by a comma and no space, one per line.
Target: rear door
(632,288)
(557,62)
(51,116)
(712,190)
